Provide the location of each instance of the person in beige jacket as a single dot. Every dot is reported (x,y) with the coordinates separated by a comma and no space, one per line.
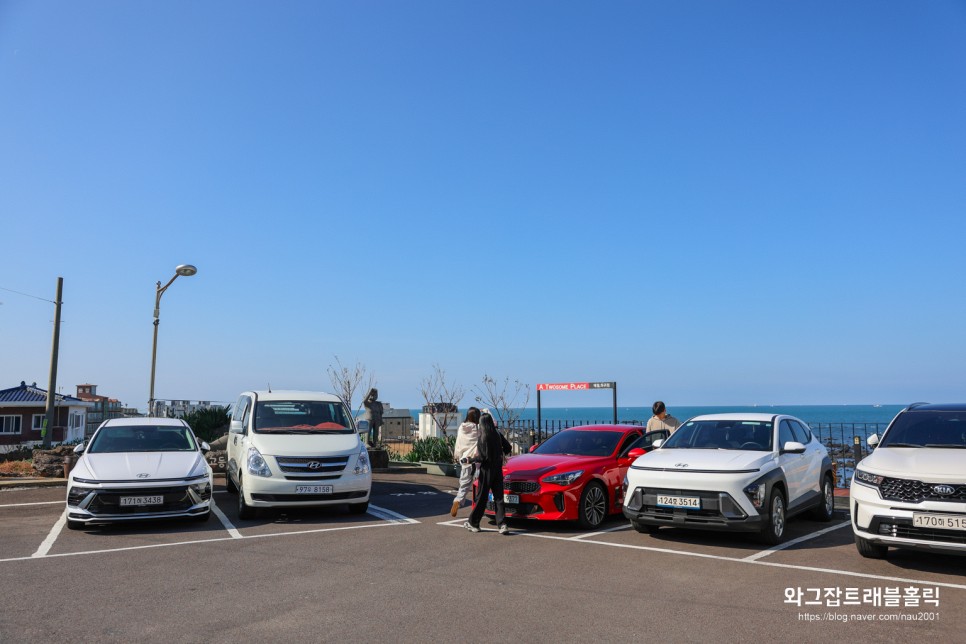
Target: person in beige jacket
(661,419)
(466,453)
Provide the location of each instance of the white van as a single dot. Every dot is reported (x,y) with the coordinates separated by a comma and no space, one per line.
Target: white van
(296,449)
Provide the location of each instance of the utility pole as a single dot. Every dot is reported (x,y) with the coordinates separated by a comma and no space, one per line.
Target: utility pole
(52,383)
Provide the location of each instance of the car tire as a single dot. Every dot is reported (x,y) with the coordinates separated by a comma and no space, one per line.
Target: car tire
(645,528)
(773,531)
(870,550)
(826,507)
(593,506)
(358,508)
(75,525)
(229,484)
(245,511)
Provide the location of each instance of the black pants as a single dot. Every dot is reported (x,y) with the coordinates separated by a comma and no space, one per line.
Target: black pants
(490,480)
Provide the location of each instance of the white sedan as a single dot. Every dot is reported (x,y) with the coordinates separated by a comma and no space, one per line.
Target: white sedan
(139,468)
(736,472)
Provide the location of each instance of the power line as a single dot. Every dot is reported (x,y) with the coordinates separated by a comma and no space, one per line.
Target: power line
(43,299)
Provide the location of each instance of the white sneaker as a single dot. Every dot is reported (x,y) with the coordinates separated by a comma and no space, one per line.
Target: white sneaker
(469,526)
(504,529)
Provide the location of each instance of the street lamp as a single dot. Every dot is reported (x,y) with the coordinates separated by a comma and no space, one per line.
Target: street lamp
(187,270)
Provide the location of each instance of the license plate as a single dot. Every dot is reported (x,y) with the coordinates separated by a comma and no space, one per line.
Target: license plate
(940,521)
(692,502)
(313,489)
(141,500)
(511,498)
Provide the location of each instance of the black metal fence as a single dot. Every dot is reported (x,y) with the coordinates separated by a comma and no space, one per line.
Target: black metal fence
(846,442)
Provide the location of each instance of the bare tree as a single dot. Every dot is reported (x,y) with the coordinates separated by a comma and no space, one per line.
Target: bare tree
(441,397)
(345,381)
(506,402)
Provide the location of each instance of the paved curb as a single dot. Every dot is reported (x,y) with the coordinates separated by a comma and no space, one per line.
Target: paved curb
(14,483)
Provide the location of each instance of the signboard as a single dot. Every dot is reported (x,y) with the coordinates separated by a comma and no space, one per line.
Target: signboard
(573,386)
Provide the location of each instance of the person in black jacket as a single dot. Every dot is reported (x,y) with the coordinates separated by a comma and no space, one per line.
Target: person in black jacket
(492,448)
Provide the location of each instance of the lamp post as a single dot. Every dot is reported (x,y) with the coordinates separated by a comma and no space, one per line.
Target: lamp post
(187,270)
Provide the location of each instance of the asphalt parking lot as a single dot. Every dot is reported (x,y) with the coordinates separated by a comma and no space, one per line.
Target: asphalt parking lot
(408,572)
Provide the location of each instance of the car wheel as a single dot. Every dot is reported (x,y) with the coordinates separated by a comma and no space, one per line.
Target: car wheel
(75,525)
(229,484)
(645,528)
(773,531)
(245,511)
(870,550)
(593,506)
(358,508)
(826,507)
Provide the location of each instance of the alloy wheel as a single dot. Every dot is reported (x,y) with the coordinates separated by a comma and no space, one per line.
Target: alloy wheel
(595,505)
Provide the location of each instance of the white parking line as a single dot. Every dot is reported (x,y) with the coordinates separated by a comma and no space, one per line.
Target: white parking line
(595,534)
(389,515)
(235,534)
(702,555)
(17,505)
(198,541)
(48,543)
(789,544)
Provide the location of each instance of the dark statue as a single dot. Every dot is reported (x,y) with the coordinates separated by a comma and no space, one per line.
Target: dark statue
(373,414)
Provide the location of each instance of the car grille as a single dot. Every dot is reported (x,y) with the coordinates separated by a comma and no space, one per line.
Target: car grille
(521,487)
(109,501)
(911,491)
(715,505)
(903,528)
(311,465)
(517,510)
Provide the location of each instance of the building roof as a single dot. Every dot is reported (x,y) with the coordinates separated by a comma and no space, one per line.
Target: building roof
(29,395)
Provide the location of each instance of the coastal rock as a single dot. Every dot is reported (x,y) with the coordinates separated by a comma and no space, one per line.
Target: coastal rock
(50,463)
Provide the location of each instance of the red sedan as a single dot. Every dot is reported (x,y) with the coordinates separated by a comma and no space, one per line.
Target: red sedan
(575,475)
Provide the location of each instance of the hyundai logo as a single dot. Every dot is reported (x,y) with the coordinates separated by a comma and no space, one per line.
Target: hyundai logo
(944,490)
(144,475)
(314,465)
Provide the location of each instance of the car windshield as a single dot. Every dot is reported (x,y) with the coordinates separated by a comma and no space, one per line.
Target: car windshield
(142,438)
(301,417)
(752,435)
(945,429)
(580,443)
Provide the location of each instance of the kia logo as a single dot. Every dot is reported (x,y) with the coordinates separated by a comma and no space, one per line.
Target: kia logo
(944,490)
(144,475)
(314,465)
(680,465)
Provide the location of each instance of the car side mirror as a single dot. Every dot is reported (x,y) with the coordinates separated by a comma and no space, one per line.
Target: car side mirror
(872,440)
(637,452)
(236,427)
(362,427)
(205,447)
(657,443)
(791,447)
(80,449)
(533,447)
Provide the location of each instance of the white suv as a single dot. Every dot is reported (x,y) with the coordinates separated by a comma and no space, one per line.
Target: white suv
(911,491)
(296,448)
(736,472)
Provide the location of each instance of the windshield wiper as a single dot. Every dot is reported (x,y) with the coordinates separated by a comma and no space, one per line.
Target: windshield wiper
(900,445)
(947,445)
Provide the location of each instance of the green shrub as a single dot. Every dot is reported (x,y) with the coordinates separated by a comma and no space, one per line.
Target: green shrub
(208,424)
(436,450)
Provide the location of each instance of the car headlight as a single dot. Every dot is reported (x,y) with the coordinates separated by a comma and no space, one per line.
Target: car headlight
(256,463)
(567,478)
(756,494)
(77,494)
(872,480)
(362,463)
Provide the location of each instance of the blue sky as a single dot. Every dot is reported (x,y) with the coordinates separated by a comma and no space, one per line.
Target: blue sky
(708,202)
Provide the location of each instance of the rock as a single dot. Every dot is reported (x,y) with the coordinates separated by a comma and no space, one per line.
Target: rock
(50,463)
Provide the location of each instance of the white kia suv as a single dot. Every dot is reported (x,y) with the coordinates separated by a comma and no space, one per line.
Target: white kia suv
(911,491)
(736,472)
